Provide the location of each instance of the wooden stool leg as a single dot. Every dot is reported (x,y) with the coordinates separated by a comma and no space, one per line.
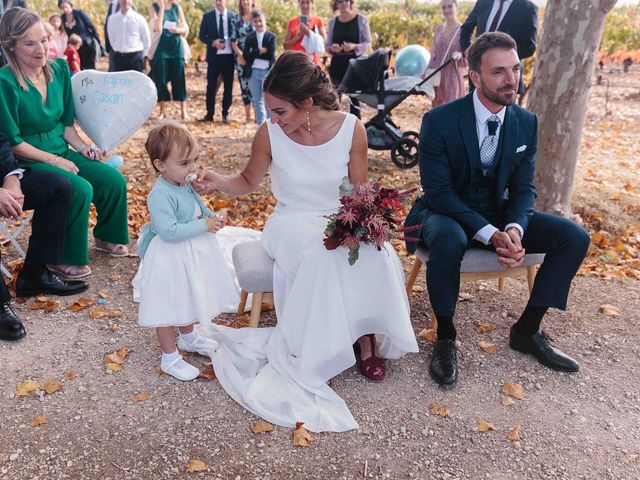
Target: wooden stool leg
(417,265)
(256,307)
(531,276)
(243,302)
(500,284)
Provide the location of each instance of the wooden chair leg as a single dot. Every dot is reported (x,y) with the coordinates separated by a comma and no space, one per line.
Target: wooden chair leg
(531,276)
(417,265)
(434,322)
(256,307)
(500,284)
(243,302)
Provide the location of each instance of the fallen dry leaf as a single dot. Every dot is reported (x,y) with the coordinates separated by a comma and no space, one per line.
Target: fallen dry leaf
(241,321)
(51,386)
(507,401)
(428,334)
(484,426)
(417,289)
(39,420)
(439,409)
(633,458)
(483,327)
(115,278)
(25,388)
(114,327)
(513,389)
(141,396)
(103,295)
(159,371)
(46,304)
(609,310)
(301,436)
(514,434)
(70,374)
(195,466)
(113,361)
(100,312)
(207,373)
(80,304)
(261,426)
(488,347)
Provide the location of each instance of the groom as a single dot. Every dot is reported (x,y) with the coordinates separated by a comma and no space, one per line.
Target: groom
(477,162)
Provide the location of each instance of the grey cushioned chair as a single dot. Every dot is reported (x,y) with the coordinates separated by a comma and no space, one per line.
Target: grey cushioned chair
(254,269)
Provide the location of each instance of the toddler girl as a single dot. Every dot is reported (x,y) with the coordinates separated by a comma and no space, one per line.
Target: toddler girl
(183,278)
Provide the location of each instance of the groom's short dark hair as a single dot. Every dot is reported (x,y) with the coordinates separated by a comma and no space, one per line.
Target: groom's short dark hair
(488,41)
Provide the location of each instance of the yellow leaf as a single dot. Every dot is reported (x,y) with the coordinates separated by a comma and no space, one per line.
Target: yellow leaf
(514,434)
(51,386)
(483,327)
(261,426)
(513,389)
(25,388)
(301,436)
(70,374)
(609,310)
(428,334)
(39,420)
(488,347)
(484,426)
(507,401)
(195,466)
(439,409)
(141,396)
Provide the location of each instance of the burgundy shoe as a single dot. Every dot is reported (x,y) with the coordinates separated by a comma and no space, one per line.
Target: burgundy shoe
(373,367)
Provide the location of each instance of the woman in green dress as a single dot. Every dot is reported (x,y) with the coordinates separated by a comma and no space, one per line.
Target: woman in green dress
(36,108)
(167,64)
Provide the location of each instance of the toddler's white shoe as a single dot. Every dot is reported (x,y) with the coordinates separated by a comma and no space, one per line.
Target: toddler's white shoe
(202,345)
(179,369)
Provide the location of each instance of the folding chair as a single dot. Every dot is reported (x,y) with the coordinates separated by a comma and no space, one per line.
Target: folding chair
(13,238)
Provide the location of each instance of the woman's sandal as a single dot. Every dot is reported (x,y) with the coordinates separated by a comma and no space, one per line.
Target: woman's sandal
(371,368)
(70,272)
(113,249)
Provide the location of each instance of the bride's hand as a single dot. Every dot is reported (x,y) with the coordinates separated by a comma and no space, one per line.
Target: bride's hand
(206,181)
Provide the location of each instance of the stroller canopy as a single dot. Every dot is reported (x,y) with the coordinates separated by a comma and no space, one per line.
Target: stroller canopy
(364,74)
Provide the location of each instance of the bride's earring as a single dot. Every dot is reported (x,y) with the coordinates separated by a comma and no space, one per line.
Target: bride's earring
(308,122)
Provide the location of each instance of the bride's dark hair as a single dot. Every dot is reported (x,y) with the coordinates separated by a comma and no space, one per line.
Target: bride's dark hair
(294,78)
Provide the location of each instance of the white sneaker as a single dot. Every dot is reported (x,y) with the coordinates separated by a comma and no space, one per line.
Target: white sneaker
(202,345)
(179,369)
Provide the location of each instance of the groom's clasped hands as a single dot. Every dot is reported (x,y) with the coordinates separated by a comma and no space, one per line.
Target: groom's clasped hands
(508,247)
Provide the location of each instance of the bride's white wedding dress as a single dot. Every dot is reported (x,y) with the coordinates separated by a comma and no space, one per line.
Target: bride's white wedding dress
(323,305)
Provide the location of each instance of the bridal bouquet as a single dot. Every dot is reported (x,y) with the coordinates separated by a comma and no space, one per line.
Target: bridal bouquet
(370,214)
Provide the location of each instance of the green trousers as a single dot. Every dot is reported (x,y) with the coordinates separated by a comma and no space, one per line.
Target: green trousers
(104,186)
(169,70)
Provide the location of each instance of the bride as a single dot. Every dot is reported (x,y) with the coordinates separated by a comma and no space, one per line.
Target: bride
(323,305)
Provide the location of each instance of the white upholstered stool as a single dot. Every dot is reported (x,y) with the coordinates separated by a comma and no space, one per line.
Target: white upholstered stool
(254,269)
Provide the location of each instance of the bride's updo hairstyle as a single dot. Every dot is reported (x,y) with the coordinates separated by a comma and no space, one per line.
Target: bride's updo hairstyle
(294,78)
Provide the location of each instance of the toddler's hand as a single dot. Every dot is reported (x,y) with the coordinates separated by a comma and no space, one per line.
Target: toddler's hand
(216,222)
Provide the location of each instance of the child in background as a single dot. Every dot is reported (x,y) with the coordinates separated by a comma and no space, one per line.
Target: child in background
(183,277)
(73,57)
(53,48)
(59,34)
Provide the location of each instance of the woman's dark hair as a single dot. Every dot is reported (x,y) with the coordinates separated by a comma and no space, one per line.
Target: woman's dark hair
(60,2)
(334,4)
(256,13)
(488,41)
(294,78)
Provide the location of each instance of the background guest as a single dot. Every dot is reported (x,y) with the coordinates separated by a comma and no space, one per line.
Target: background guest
(300,26)
(348,37)
(7,4)
(38,119)
(259,54)
(71,53)
(78,22)
(446,41)
(244,27)
(59,34)
(130,38)
(53,48)
(167,63)
(218,32)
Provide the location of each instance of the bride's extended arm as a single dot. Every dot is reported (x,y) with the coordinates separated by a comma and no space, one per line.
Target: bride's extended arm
(247,180)
(358,159)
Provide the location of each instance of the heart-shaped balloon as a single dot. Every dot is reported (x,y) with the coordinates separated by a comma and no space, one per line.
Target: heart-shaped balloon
(111,106)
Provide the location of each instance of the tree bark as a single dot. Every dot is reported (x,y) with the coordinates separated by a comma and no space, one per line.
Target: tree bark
(559,95)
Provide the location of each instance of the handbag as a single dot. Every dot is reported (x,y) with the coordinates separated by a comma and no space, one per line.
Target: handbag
(434,81)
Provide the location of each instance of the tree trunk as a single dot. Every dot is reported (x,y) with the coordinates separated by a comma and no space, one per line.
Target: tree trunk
(559,95)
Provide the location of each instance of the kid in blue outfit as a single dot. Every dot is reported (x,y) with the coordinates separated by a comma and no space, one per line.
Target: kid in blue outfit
(183,277)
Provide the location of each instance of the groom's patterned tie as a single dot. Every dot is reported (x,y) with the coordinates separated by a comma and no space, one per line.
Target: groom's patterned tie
(489,145)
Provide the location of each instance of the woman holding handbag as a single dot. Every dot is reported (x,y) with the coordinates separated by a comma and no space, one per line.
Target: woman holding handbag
(449,82)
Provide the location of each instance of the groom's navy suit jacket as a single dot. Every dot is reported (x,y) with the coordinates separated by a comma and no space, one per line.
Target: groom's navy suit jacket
(449,157)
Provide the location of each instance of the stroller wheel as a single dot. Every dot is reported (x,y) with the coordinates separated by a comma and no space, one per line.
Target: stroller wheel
(412,135)
(404,152)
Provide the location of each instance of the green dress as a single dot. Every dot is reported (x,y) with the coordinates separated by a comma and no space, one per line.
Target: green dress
(167,65)
(26,119)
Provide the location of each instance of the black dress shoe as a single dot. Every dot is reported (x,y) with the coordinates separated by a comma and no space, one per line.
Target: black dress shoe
(225,119)
(48,283)
(444,362)
(539,345)
(10,326)
(206,118)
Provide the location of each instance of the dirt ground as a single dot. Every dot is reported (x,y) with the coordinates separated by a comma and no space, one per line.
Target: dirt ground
(581,426)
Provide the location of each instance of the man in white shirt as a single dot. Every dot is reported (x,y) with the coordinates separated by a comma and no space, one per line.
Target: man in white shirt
(129,37)
(477,163)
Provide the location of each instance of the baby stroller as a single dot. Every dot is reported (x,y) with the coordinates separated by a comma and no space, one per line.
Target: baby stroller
(366,81)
